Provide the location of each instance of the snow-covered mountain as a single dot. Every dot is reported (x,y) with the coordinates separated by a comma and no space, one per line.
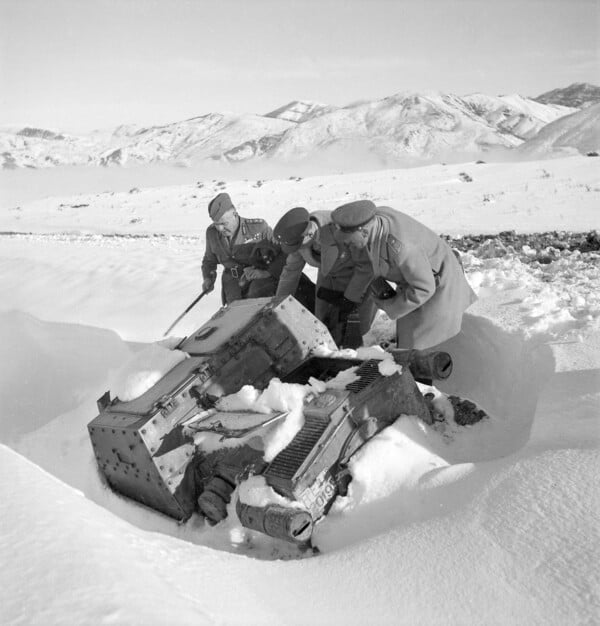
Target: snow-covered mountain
(300,111)
(578,95)
(40,133)
(405,127)
(421,125)
(514,114)
(181,142)
(580,131)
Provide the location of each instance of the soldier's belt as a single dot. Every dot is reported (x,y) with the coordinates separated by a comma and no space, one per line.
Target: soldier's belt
(235,270)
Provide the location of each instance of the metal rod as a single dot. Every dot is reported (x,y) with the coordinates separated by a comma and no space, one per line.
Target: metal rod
(184,313)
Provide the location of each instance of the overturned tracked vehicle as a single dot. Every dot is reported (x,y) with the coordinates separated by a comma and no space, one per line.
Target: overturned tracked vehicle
(154,448)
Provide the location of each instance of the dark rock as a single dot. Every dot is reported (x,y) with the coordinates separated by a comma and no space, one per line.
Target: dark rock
(548,245)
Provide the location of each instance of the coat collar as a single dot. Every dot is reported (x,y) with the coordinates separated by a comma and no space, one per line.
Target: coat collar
(379,231)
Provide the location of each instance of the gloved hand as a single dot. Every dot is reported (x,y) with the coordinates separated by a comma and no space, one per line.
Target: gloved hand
(252,273)
(387,305)
(380,289)
(208,284)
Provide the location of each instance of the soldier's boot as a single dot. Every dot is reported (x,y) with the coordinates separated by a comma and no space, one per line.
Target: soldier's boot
(352,337)
(214,499)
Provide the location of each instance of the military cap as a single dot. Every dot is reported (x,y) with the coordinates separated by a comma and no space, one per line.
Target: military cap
(289,229)
(219,205)
(351,216)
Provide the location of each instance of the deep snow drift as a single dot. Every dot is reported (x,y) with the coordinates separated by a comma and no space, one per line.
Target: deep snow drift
(493,523)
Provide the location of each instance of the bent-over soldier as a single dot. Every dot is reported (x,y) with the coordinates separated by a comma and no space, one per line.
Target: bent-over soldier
(432,292)
(308,238)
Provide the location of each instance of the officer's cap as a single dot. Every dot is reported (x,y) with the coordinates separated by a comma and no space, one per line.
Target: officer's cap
(289,229)
(219,205)
(351,216)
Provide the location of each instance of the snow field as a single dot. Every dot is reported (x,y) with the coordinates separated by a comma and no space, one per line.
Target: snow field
(493,523)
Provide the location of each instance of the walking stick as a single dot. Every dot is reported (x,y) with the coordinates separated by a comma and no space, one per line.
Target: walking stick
(185,312)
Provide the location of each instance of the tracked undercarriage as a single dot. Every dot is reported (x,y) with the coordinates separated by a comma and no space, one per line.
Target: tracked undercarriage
(154,448)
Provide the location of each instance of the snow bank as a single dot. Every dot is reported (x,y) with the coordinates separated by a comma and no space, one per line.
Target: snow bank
(47,370)
(517,543)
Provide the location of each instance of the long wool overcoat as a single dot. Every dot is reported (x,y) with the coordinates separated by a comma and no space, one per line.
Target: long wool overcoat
(432,291)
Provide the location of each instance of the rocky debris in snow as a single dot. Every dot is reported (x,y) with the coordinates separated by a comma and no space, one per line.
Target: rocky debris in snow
(446,408)
(465,411)
(541,247)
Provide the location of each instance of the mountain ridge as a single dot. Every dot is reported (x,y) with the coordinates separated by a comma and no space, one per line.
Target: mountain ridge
(577,95)
(580,129)
(405,126)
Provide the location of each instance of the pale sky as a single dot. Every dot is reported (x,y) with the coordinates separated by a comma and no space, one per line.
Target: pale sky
(76,65)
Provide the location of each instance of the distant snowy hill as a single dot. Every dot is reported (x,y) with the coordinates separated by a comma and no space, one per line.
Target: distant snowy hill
(576,95)
(300,111)
(407,124)
(405,128)
(181,142)
(580,131)
(40,133)
(514,114)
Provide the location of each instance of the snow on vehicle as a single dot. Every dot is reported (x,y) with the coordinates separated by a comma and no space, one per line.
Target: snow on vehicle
(154,449)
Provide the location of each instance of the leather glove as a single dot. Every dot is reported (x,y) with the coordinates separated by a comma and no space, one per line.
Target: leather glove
(386,305)
(252,273)
(380,289)
(208,284)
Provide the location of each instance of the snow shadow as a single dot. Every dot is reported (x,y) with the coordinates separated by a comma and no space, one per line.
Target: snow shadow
(505,373)
(48,369)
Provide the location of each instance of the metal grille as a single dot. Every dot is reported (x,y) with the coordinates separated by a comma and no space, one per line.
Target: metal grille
(288,461)
(367,373)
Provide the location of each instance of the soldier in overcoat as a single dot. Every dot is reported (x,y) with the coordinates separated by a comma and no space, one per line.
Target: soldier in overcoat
(432,292)
(309,238)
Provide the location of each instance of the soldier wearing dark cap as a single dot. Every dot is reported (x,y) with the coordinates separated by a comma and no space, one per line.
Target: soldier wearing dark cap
(232,241)
(308,238)
(432,292)
(298,234)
